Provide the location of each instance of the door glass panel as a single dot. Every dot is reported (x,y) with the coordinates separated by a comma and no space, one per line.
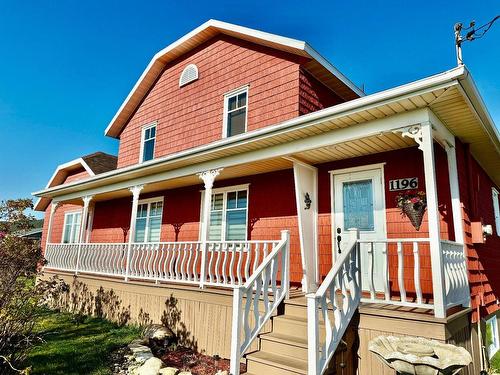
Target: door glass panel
(358,205)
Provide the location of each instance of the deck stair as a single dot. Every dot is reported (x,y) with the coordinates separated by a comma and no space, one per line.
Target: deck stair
(283,351)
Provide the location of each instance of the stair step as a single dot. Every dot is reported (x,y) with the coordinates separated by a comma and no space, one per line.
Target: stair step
(285,345)
(294,326)
(273,364)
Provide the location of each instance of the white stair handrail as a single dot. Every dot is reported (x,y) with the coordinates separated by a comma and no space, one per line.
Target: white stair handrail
(336,300)
(260,286)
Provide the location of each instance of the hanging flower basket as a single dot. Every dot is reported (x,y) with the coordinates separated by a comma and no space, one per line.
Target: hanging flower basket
(412,205)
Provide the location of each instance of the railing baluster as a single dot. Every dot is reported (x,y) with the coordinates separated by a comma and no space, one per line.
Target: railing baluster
(247,253)
(386,279)
(370,270)
(401,265)
(231,265)
(240,260)
(416,272)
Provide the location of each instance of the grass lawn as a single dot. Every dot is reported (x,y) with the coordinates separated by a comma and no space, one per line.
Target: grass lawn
(71,348)
(495,363)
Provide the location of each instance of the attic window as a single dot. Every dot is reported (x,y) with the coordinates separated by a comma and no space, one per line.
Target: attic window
(189,74)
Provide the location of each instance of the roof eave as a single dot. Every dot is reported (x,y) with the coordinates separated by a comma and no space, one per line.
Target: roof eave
(450,77)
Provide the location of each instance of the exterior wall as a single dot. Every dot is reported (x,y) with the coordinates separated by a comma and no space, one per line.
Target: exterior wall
(205,316)
(192,115)
(313,95)
(483,260)
(57,222)
(76,175)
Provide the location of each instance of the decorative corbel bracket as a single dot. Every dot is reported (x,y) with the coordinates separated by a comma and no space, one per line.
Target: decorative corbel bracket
(415,132)
(209,176)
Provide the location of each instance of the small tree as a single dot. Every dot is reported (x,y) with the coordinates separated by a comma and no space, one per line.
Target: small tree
(20,293)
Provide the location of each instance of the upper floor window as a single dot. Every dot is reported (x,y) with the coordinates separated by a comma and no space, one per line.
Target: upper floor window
(228,214)
(148,140)
(235,112)
(72,222)
(189,74)
(148,222)
(496,209)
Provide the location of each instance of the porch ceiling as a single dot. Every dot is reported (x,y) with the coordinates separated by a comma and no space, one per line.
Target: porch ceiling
(365,146)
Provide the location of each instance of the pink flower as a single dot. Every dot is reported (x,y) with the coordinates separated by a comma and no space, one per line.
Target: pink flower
(415,200)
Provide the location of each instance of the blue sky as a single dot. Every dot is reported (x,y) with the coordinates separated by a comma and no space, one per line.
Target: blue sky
(66,66)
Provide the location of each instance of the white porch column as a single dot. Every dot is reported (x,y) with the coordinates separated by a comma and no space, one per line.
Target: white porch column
(306,199)
(83,229)
(53,208)
(136,191)
(423,135)
(208,178)
(456,205)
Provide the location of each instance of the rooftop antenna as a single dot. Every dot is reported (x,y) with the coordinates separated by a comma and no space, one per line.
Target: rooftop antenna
(472,34)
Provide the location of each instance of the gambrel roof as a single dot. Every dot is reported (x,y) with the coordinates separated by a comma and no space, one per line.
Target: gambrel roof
(317,65)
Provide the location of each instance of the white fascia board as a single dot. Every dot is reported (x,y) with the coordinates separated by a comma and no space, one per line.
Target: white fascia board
(346,81)
(441,80)
(71,163)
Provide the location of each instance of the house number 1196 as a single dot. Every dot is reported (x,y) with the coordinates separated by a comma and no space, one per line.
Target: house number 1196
(403,184)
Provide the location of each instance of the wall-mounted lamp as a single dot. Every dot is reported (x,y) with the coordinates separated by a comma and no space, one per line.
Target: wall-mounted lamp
(307,201)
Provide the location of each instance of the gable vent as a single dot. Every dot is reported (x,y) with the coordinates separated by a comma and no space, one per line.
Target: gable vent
(189,74)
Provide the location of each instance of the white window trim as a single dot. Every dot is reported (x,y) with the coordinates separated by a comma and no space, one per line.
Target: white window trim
(227,95)
(143,134)
(148,201)
(495,195)
(225,190)
(495,333)
(66,214)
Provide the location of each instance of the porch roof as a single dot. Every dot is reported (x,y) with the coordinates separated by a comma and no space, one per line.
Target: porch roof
(358,127)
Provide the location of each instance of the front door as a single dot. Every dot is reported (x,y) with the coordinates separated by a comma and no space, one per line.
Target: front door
(359,203)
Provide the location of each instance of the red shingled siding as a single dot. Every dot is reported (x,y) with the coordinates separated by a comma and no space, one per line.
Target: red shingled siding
(192,115)
(76,175)
(313,95)
(483,259)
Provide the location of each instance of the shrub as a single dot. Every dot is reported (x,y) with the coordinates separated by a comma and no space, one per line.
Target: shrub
(21,295)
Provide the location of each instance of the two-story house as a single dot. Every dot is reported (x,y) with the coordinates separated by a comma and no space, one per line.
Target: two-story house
(285,209)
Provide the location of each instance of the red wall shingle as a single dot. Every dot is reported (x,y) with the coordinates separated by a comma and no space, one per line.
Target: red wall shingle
(192,115)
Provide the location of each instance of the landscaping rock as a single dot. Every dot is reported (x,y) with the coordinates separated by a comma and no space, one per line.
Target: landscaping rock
(185,373)
(151,367)
(220,372)
(168,371)
(159,332)
(143,357)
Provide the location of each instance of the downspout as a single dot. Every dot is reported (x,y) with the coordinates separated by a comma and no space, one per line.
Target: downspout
(482,353)
(480,296)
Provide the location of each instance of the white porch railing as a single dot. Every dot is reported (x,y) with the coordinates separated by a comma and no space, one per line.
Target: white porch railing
(405,250)
(334,304)
(409,276)
(227,263)
(341,292)
(455,272)
(261,288)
